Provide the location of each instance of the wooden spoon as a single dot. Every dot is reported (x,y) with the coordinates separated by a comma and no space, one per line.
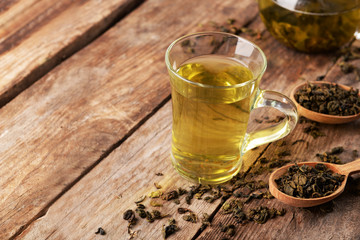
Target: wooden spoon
(345,169)
(320,117)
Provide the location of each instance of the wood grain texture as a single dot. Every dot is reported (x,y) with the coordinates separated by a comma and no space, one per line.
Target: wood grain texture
(63,125)
(115,184)
(286,69)
(37,35)
(305,223)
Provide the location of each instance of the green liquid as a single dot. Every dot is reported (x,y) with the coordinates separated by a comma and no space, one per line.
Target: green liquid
(209,124)
(311,26)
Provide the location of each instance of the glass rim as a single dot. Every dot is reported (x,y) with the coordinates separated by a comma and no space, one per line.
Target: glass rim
(169,66)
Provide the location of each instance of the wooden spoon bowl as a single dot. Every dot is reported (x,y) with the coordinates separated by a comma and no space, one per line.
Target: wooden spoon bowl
(320,117)
(345,169)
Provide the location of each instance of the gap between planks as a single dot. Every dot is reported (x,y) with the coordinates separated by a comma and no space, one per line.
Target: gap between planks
(78,44)
(106,153)
(43,211)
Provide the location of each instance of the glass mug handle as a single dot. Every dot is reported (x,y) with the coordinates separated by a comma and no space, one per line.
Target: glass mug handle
(280,102)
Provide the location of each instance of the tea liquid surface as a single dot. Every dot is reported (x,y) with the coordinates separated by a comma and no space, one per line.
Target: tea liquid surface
(209,125)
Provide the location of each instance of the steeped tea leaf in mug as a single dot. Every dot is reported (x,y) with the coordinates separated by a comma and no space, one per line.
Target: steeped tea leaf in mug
(311,25)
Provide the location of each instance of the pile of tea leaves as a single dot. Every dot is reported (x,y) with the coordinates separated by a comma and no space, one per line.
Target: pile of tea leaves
(329,99)
(236,195)
(233,196)
(309,182)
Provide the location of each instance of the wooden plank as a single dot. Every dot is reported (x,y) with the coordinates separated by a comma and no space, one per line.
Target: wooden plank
(113,187)
(90,122)
(302,223)
(286,69)
(63,125)
(37,35)
(129,172)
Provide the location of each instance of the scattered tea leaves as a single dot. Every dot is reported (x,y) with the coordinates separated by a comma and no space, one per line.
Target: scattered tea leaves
(298,141)
(128,214)
(183,210)
(100,231)
(140,206)
(141,212)
(355,153)
(228,229)
(154,203)
(305,120)
(320,78)
(182,191)
(283,153)
(190,217)
(332,156)
(350,53)
(132,234)
(314,131)
(263,214)
(230,26)
(158,186)
(170,229)
(170,195)
(205,221)
(346,67)
(156,194)
(267,165)
(281,143)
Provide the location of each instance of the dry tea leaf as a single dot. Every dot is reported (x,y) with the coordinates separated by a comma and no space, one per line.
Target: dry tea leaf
(154,203)
(191,217)
(156,194)
(170,195)
(158,186)
(142,198)
(100,231)
(170,229)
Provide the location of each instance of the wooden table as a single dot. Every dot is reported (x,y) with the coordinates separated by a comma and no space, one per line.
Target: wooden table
(85,121)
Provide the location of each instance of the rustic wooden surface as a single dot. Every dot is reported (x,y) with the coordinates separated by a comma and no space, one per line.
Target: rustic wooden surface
(84,142)
(37,35)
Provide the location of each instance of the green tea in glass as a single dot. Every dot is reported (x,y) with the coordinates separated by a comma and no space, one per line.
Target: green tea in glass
(215,84)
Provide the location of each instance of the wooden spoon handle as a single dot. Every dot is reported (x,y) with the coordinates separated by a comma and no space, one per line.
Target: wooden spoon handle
(351,167)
